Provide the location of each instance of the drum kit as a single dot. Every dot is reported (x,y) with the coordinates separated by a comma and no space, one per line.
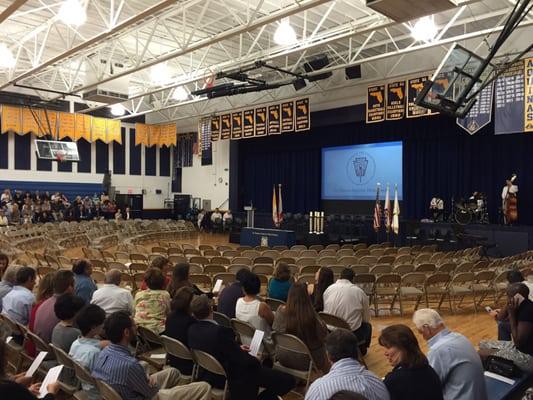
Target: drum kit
(473,210)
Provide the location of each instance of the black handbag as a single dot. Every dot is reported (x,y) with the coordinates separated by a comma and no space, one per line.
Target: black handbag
(501,366)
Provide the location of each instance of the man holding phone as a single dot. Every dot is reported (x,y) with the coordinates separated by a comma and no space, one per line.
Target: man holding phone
(519,310)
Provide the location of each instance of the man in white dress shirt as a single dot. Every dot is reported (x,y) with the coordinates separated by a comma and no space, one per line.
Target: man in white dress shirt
(111,297)
(349,302)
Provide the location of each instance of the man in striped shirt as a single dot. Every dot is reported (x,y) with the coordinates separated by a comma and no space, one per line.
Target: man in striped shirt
(346,373)
(119,369)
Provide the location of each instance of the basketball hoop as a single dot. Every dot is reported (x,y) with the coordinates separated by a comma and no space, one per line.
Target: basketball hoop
(60,156)
(209,81)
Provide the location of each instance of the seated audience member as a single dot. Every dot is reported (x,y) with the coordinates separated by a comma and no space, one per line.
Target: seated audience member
(177,325)
(227,300)
(45,290)
(279,285)
(45,317)
(86,348)
(180,278)
(251,309)
(4,263)
(164,265)
(111,297)
(349,302)
(118,368)
(216,216)
(85,286)
(299,318)
(245,373)
(18,302)
(14,216)
(9,280)
(118,215)
(19,387)
(501,315)
(412,378)
(4,221)
(126,215)
(519,311)
(65,332)
(227,218)
(346,372)
(324,279)
(453,358)
(153,304)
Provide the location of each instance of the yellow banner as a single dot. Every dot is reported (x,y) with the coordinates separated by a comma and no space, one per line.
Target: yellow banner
(168,135)
(11,119)
(141,134)
(155,134)
(528,95)
(30,121)
(99,129)
(82,127)
(113,131)
(67,124)
(49,123)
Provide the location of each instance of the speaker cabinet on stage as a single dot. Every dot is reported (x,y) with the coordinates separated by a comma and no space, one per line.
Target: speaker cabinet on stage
(182,204)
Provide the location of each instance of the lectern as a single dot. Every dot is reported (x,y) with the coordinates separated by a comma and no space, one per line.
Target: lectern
(250,215)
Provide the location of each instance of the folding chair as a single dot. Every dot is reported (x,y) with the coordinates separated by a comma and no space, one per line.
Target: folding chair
(107,392)
(461,286)
(177,349)
(387,285)
(149,343)
(209,363)
(412,285)
(437,285)
(274,303)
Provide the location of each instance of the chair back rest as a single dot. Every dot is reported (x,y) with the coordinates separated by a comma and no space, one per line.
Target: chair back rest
(83,373)
(242,328)
(381,269)
(176,348)
(413,279)
(292,344)
(39,343)
(463,277)
(148,335)
(107,392)
(62,357)
(208,362)
(274,303)
(222,319)
(333,320)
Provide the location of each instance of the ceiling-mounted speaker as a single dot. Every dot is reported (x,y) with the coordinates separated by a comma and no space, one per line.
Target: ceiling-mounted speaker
(353,72)
(299,84)
(317,64)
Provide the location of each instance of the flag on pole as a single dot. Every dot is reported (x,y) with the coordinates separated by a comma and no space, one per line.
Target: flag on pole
(396,212)
(280,206)
(387,213)
(274,207)
(377,211)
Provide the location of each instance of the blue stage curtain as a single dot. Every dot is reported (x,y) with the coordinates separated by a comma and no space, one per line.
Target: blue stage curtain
(438,158)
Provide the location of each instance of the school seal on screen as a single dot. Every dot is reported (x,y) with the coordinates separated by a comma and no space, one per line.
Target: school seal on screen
(361,168)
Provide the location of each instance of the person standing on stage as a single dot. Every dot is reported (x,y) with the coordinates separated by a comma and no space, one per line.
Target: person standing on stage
(509,196)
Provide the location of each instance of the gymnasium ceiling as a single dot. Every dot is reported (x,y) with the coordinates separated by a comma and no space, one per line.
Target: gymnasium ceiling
(197,38)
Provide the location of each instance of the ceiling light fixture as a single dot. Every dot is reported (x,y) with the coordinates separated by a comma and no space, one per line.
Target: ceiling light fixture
(424,30)
(6,57)
(180,94)
(160,74)
(72,12)
(285,35)
(118,110)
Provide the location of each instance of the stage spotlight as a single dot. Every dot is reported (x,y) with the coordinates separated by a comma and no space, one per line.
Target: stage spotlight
(118,110)
(6,57)
(424,30)
(72,12)
(285,35)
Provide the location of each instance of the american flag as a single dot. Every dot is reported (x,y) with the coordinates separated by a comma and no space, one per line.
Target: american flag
(377,211)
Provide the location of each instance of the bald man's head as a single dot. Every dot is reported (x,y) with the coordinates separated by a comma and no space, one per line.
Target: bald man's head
(113,277)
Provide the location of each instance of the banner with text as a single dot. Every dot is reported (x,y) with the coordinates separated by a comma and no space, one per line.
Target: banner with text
(480,114)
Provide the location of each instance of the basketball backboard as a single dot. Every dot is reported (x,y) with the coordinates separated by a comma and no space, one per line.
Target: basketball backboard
(458,77)
(57,151)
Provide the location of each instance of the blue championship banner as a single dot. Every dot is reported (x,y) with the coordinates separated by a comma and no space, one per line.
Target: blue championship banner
(260,121)
(249,125)
(287,116)
(215,128)
(236,125)
(274,117)
(375,104)
(481,112)
(510,94)
(395,101)
(303,115)
(225,126)
(528,94)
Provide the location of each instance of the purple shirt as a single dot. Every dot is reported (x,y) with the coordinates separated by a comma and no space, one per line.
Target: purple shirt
(45,319)
(228,299)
